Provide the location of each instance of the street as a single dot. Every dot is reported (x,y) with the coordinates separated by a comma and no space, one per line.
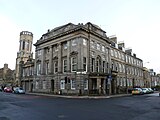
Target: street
(31,107)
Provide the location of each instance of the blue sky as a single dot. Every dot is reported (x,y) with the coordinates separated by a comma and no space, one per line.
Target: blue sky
(136,22)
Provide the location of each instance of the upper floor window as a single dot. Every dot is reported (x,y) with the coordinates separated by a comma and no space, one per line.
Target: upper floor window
(93,64)
(65,46)
(98,46)
(64,65)
(84,42)
(98,64)
(112,53)
(93,54)
(103,48)
(55,48)
(103,57)
(122,56)
(38,68)
(23,46)
(116,54)
(55,66)
(92,44)
(73,64)
(74,42)
(126,58)
(38,52)
(47,50)
(47,67)
(84,64)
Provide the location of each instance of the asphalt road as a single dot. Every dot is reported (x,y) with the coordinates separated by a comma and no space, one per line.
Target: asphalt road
(30,107)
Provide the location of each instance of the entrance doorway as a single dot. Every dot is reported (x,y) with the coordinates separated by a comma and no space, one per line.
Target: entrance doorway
(113,86)
(52,85)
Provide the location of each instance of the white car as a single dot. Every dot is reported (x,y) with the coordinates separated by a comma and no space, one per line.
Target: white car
(145,90)
(18,90)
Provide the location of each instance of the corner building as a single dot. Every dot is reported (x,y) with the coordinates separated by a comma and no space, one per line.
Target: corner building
(73,59)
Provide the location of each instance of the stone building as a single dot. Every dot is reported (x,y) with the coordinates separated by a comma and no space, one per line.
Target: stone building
(7,76)
(78,59)
(146,78)
(72,59)
(27,74)
(25,51)
(155,78)
(126,70)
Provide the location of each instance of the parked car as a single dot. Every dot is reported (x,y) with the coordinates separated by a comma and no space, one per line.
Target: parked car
(18,90)
(8,89)
(145,90)
(137,91)
(150,90)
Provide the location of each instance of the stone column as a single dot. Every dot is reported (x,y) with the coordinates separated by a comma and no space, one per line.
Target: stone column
(59,58)
(68,55)
(104,86)
(50,59)
(42,61)
(99,85)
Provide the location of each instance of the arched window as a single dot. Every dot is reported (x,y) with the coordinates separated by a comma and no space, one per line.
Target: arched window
(98,64)
(23,46)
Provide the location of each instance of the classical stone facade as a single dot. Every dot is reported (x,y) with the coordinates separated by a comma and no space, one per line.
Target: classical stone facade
(80,59)
(146,78)
(127,69)
(72,59)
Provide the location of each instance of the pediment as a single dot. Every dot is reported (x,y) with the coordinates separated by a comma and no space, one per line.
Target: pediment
(55,57)
(74,53)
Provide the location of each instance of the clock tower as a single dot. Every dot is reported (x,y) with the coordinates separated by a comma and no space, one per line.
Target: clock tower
(24,53)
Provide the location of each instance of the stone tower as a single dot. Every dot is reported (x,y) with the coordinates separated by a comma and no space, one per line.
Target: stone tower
(25,51)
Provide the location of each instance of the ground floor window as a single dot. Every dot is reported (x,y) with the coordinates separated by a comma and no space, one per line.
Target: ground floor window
(86,84)
(44,84)
(62,84)
(73,84)
(36,86)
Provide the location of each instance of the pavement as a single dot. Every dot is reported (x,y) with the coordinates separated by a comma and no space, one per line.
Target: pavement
(80,97)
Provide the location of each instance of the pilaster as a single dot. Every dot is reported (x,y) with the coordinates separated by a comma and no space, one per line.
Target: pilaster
(42,61)
(50,59)
(59,58)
